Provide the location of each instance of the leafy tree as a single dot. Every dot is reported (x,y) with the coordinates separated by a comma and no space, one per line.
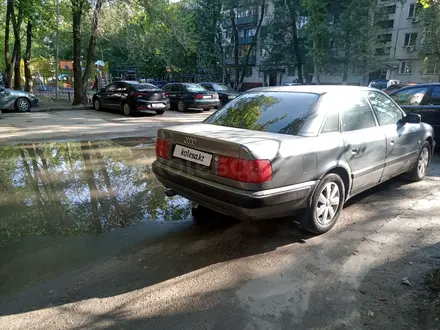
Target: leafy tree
(284,43)
(430,45)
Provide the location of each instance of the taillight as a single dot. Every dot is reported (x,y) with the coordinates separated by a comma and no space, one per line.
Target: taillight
(214,96)
(245,170)
(162,148)
(165,94)
(198,96)
(138,94)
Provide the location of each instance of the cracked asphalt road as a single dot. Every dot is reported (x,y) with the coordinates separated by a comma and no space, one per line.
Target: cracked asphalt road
(261,275)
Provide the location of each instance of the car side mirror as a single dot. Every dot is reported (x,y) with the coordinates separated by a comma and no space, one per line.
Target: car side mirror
(412,118)
(102,90)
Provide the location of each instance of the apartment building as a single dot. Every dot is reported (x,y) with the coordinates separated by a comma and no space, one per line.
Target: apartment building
(399,53)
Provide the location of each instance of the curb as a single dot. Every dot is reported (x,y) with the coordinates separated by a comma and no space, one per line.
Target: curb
(62,108)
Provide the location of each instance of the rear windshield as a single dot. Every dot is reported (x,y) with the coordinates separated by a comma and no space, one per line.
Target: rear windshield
(274,112)
(144,87)
(194,88)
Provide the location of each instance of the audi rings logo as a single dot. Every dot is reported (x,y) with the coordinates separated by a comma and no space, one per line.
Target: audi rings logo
(189,141)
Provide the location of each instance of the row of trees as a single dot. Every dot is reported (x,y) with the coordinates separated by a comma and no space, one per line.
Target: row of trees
(311,36)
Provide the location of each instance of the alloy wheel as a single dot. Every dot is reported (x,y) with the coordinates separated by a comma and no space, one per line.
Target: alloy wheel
(127,110)
(96,105)
(23,105)
(328,203)
(422,165)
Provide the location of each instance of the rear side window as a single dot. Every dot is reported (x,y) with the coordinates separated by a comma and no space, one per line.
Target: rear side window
(409,96)
(356,114)
(435,96)
(332,123)
(275,112)
(175,88)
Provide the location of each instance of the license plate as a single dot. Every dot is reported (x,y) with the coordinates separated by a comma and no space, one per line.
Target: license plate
(192,155)
(207,97)
(157,105)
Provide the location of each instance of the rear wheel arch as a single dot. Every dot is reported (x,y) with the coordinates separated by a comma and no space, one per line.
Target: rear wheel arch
(430,140)
(343,174)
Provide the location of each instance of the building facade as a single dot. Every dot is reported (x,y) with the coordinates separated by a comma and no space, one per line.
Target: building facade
(401,39)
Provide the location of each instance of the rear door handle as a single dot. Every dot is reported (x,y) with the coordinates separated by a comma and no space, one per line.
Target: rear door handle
(355,150)
(392,142)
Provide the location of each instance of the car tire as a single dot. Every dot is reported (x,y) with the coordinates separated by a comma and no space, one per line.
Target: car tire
(160,112)
(181,106)
(126,109)
(328,198)
(97,104)
(418,172)
(22,105)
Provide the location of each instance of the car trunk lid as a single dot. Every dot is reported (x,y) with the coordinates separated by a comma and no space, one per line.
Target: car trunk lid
(198,148)
(150,95)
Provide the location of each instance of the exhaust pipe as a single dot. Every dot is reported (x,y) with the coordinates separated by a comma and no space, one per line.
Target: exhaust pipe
(170,192)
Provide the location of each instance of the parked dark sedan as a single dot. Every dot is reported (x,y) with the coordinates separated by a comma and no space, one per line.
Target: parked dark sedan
(423,99)
(131,97)
(185,96)
(225,93)
(274,150)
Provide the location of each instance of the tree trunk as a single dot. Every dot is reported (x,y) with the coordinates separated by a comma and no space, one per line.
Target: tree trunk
(91,50)
(7,74)
(77,9)
(236,47)
(90,179)
(253,44)
(108,184)
(32,180)
(17,62)
(16,24)
(27,58)
(296,48)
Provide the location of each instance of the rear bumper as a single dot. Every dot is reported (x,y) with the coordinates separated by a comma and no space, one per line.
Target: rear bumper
(202,104)
(242,204)
(142,106)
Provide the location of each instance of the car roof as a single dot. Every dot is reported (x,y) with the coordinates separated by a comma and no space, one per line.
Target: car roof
(316,89)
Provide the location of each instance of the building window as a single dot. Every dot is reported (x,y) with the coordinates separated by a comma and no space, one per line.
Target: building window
(242,12)
(384,38)
(390,9)
(249,33)
(411,10)
(405,67)
(410,39)
(431,68)
(383,51)
(388,24)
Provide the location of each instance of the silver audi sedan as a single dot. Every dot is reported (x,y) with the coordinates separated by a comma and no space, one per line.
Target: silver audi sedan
(276,150)
(21,101)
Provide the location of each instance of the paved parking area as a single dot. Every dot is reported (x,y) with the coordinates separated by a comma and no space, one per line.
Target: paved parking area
(86,124)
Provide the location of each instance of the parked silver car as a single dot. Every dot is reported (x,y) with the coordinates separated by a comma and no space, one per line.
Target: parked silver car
(11,99)
(274,150)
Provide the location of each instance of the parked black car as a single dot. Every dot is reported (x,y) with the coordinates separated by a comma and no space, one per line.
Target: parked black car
(131,97)
(423,99)
(188,95)
(225,93)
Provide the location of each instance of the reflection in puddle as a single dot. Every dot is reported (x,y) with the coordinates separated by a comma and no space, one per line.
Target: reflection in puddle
(74,188)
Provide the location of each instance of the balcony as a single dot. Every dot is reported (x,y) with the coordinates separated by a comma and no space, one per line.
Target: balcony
(247,20)
(251,61)
(245,40)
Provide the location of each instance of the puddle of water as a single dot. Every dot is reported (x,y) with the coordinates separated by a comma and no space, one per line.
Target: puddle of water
(77,188)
